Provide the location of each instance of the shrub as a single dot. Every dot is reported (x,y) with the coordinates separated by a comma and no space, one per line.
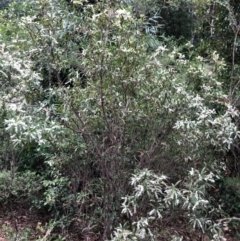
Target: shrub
(162,110)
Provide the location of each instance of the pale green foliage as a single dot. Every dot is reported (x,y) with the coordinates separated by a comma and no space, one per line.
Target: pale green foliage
(126,86)
(153,195)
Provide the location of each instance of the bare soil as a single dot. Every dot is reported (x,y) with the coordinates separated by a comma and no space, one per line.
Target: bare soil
(20,219)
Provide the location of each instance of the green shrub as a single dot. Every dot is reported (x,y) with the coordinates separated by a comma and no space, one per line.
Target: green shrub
(19,187)
(229,195)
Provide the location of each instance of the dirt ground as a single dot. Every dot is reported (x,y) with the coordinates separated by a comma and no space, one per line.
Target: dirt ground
(19,221)
(30,226)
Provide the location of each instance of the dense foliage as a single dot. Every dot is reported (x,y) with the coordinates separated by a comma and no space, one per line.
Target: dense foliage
(119,117)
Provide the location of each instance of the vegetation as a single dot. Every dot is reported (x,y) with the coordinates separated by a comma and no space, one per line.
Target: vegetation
(120,119)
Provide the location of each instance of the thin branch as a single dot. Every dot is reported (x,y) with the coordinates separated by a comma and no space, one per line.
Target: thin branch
(232,89)
(228,219)
(236,28)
